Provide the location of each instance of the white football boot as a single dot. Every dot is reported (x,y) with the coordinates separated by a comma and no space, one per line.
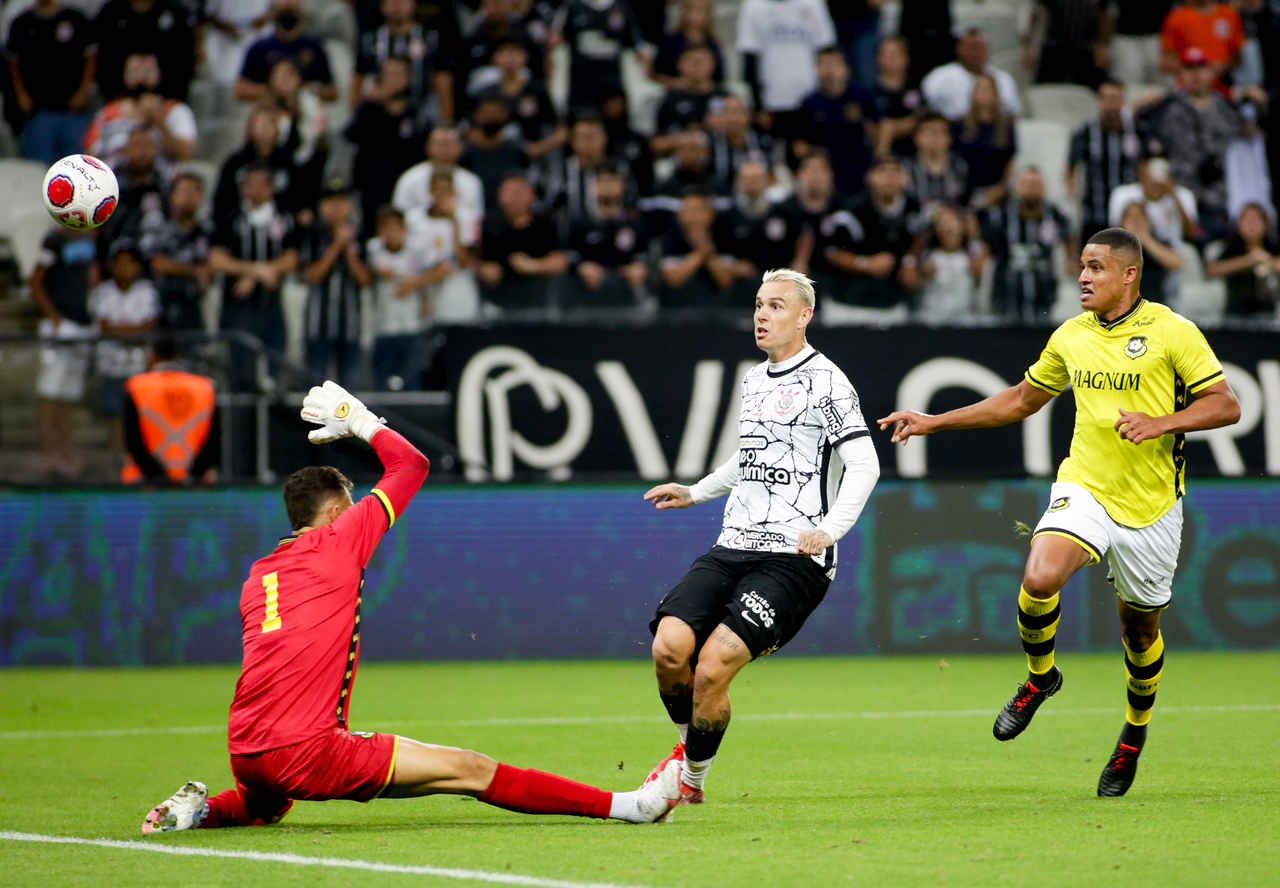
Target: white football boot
(656,798)
(185,809)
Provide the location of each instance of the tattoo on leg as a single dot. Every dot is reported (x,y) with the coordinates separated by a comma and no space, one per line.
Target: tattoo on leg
(708,725)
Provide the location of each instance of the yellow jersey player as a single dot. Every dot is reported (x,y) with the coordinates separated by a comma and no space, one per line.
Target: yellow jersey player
(1143,377)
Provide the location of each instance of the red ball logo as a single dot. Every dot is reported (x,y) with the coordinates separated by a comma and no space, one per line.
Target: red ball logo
(103,211)
(61,190)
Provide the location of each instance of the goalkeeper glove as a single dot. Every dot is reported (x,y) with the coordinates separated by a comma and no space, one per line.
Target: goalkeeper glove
(338,413)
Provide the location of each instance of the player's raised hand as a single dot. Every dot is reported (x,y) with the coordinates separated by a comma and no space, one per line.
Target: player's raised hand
(813,542)
(339,414)
(1138,427)
(905,424)
(669,496)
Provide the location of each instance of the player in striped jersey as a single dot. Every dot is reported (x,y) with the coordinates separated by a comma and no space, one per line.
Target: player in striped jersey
(1143,377)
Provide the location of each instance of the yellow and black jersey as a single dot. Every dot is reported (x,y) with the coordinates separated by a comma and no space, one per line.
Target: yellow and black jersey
(1149,360)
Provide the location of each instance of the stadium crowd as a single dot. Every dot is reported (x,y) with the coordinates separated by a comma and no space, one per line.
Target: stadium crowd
(438,181)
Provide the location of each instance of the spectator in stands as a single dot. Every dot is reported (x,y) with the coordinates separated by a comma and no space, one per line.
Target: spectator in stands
(1103,155)
(413,189)
(857,24)
(123,306)
(625,143)
(1195,125)
(694,276)
(734,141)
(1160,261)
(1069,41)
(1250,262)
(936,176)
(1171,209)
(254,249)
(496,23)
(452,292)
(170,121)
(287,40)
(520,252)
(757,233)
(229,28)
(951,271)
(430,59)
(528,102)
(825,221)
(1135,47)
(388,133)
(883,261)
(985,138)
(262,147)
(949,89)
(1212,27)
(927,28)
(898,103)
(686,105)
(608,244)
(596,32)
(840,118)
(153,27)
(334,271)
(178,251)
(64,271)
(52,60)
(400,273)
(696,27)
(1025,233)
(170,422)
(493,146)
(693,167)
(571,189)
(304,128)
(779,41)
(144,190)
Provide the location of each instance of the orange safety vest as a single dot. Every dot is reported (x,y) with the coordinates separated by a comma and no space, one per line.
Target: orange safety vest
(175,411)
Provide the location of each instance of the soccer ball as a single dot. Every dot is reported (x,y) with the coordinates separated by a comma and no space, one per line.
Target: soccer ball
(80,192)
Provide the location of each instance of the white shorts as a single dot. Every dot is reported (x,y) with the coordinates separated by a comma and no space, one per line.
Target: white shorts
(1141,559)
(63,367)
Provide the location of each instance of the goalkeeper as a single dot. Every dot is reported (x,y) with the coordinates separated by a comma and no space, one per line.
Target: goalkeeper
(300,621)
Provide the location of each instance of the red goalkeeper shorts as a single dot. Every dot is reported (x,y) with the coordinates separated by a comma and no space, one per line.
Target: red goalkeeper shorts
(335,765)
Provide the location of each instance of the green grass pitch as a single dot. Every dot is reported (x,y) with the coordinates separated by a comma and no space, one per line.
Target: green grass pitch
(835,771)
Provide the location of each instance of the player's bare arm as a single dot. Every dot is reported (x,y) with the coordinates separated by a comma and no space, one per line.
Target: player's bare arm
(1014,404)
(814,542)
(1212,408)
(669,496)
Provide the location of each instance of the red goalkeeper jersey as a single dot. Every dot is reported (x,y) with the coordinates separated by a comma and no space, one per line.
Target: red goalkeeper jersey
(300,614)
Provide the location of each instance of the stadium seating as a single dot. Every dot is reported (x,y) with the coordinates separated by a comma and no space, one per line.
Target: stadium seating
(1043,144)
(1066,103)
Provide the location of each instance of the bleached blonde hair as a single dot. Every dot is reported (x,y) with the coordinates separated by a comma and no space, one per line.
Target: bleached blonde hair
(801,283)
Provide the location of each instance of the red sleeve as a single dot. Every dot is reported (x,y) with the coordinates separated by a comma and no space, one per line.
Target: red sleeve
(404,470)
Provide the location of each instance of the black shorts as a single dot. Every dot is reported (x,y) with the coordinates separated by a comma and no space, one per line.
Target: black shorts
(763,597)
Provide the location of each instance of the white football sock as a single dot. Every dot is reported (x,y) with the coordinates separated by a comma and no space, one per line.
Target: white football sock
(693,773)
(625,806)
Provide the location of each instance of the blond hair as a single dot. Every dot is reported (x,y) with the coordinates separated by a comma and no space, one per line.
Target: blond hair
(801,283)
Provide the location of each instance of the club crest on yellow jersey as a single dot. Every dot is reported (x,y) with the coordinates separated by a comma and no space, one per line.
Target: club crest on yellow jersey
(1136,347)
(1059,504)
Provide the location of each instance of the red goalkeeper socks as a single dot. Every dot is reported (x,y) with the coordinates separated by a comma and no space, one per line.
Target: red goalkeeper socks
(530,791)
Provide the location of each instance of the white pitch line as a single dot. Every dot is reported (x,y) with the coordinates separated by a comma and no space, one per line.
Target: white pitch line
(302,860)
(573,720)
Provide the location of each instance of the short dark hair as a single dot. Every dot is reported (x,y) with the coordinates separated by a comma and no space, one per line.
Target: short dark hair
(164,347)
(387,211)
(308,489)
(933,117)
(1121,241)
(188,175)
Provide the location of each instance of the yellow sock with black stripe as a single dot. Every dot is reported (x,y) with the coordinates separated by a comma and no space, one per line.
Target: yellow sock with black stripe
(1143,670)
(1038,626)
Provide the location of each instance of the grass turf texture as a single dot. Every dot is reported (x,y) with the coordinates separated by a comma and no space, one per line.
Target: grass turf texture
(831,773)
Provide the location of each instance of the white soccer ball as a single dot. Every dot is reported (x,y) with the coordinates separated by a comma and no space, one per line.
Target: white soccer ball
(80,192)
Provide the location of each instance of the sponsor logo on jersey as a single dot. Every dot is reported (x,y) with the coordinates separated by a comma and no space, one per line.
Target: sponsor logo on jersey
(758,539)
(1136,347)
(835,422)
(755,603)
(1059,504)
(1103,379)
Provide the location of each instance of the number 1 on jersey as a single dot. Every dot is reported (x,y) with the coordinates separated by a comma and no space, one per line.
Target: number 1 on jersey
(271,585)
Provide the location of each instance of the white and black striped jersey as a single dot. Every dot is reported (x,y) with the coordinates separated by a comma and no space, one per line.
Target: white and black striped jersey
(793,416)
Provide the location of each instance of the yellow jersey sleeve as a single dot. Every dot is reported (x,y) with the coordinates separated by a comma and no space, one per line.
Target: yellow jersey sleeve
(1193,360)
(1049,373)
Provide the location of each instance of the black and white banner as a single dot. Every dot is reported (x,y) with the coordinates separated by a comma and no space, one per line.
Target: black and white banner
(660,402)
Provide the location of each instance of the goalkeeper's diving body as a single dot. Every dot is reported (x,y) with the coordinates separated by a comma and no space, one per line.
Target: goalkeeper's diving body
(300,613)
(1143,377)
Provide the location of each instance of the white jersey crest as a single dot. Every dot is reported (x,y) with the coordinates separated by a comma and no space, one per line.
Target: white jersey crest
(792,418)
